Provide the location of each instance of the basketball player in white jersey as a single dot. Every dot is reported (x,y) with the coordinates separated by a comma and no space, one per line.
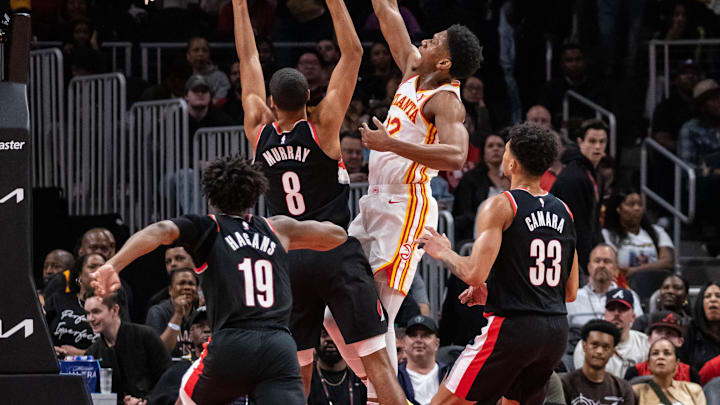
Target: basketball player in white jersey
(423,133)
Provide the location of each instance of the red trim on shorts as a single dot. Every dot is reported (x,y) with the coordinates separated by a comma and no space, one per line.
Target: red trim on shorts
(477,363)
(195,376)
(512,201)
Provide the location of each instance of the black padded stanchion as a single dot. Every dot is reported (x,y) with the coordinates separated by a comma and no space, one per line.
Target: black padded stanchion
(29,372)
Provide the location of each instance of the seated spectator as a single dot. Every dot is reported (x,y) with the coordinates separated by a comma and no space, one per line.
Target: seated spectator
(592,384)
(640,245)
(663,389)
(441,193)
(171,318)
(420,377)
(56,262)
(698,137)
(555,394)
(64,311)
(477,185)
(233,101)
(202,113)
(418,291)
(673,295)
(540,116)
(266,53)
(167,388)
(400,344)
(709,371)
(333,382)
(351,150)
(84,61)
(548,178)
(374,77)
(174,77)
(478,116)
(80,35)
(175,258)
(702,342)
(665,325)
(311,66)
(329,54)
(678,108)
(632,348)
(134,352)
(591,298)
(198,55)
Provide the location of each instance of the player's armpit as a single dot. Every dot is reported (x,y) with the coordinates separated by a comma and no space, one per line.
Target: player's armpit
(313,235)
(571,287)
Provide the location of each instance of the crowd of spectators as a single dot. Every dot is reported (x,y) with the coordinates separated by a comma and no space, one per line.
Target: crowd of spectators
(632,318)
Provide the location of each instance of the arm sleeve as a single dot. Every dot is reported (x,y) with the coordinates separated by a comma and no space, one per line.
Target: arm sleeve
(156,319)
(663,237)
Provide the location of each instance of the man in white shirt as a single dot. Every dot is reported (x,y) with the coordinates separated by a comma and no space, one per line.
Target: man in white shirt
(590,302)
(420,377)
(633,347)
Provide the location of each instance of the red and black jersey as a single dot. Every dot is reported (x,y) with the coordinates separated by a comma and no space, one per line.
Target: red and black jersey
(305,183)
(535,258)
(243,269)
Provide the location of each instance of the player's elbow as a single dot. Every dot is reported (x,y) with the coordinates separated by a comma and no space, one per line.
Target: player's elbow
(455,162)
(336,236)
(354,50)
(570,296)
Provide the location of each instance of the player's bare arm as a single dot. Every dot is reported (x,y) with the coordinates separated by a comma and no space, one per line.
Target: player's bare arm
(393,29)
(450,153)
(571,287)
(106,278)
(329,114)
(257,113)
(496,215)
(313,235)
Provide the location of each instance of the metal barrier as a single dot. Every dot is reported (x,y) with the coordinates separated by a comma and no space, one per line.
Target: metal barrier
(158,163)
(702,51)
(95,122)
(600,112)
(113,47)
(676,207)
(548,60)
(46,95)
(432,271)
(357,191)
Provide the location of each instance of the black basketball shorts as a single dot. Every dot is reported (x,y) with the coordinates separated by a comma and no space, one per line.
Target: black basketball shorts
(513,357)
(237,362)
(341,279)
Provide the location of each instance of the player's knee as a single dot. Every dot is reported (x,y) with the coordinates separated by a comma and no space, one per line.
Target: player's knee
(305,357)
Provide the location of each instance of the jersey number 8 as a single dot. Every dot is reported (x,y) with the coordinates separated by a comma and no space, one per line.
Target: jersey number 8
(261,280)
(293,198)
(540,251)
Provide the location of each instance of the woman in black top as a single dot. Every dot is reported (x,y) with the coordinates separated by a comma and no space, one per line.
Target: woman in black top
(65,313)
(702,341)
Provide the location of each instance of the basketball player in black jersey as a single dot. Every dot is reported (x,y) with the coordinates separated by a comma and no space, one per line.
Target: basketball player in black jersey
(301,158)
(523,268)
(244,271)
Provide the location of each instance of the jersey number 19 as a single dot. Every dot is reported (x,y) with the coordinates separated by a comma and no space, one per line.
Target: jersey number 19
(258,283)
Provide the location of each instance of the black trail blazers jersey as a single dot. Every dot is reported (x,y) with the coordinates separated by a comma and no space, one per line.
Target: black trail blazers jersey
(305,183)
(243,270)
(535,258)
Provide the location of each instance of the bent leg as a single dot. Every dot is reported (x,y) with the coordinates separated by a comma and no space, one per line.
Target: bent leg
(384,378)
(445,397)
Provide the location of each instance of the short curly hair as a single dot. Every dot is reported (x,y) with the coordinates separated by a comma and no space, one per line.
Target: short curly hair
(233,184)
(465,51)
(601,326)
(289,89)
(534,147)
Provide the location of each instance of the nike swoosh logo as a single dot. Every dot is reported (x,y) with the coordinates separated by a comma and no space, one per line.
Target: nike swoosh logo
(394,202)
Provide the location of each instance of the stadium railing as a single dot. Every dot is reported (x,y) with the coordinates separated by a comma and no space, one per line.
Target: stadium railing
(432,271)
(675,208)
(114,49)
(157,160)
(46,97)
(600,113)
(95,127)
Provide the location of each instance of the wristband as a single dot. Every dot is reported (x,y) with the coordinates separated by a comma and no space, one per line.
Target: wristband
(174,326)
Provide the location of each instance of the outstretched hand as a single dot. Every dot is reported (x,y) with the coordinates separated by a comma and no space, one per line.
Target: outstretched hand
(433,243)
(105,280)
(476,295)
(376,139)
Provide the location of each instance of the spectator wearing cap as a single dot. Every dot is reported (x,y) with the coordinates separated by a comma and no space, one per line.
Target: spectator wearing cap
(166,389)
(699,136)
(633,345)
(202,112)
(674,111)
(665,325)
(198,55)
(421,375)
(593,384)
(673,297)
(591,298)
(333,382)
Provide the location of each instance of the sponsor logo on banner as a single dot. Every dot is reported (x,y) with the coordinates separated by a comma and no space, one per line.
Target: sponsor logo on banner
(25,324)
(11,145)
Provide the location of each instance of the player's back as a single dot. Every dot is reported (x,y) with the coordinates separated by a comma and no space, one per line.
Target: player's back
(245,277)
(305,183)
(535,257)
(406,121)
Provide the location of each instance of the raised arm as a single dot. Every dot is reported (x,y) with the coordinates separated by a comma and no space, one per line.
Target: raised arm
(495,216)
(257,113)
(329,114)
(393,29)
(313,235)
(145,241)
(451,151)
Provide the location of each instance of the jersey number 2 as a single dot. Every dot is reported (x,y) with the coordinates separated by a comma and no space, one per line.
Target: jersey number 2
(293,197)
(258,284)
(540,251)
